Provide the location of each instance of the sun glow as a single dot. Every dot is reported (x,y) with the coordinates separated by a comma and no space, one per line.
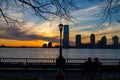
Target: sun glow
(46,42)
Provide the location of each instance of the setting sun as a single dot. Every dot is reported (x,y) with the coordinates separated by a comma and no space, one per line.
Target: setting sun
(46,42)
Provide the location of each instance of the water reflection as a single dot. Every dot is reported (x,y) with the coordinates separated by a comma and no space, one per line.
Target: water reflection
(54,52)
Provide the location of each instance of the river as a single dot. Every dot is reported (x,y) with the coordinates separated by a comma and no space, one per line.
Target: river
(54,52)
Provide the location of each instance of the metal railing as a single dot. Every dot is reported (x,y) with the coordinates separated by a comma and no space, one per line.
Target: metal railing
(27,60)
(53,61)
(103,61)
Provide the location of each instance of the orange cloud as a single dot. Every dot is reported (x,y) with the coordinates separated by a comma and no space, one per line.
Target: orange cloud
(29,43)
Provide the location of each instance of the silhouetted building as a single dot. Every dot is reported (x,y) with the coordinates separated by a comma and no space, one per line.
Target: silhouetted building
(66,37)
(115,41)
(50,44)
(2,46)
(92,40)
(44,46)
(78,41)
(98,44)
(103,42)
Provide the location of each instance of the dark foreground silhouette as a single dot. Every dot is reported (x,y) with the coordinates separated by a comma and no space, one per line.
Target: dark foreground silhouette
(92,65)
(43,63)
(47,69)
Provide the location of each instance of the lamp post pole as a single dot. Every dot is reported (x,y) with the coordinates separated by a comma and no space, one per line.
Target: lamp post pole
(60,61)
(60,50)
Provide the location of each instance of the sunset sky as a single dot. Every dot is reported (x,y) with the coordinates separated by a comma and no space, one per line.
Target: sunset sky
(36,32)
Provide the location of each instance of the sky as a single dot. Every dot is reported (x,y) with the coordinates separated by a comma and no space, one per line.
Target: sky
(36,31)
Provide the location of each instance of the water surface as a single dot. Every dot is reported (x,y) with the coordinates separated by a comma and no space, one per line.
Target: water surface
(54,52)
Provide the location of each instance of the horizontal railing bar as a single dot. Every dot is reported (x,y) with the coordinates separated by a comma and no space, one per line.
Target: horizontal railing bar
(91,59)
(65,58)
(72,59)
(29,58)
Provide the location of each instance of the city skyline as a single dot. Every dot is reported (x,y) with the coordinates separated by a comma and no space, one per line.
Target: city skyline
(102,43)
(36,32)
(91,40)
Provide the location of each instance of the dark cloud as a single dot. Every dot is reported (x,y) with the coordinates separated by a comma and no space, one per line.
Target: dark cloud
(18,34)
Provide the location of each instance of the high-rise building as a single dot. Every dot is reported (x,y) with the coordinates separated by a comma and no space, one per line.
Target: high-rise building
(103,42)
(44,45)
(66,36)
(78,41)
(92,40)
(115,41)
(50,45)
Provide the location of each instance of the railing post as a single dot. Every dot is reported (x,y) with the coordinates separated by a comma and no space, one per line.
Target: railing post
(0,60)
(26,61)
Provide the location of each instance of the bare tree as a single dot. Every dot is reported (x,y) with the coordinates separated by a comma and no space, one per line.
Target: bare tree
(42,8)
(110,12)
(60,8)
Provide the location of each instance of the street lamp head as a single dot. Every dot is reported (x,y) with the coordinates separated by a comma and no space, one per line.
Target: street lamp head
(60,27)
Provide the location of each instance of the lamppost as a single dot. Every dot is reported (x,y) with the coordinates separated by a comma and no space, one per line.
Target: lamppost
(60,61)
(60,29)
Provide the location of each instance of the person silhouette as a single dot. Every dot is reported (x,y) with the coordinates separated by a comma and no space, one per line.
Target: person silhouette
(96,64)
(88,65)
